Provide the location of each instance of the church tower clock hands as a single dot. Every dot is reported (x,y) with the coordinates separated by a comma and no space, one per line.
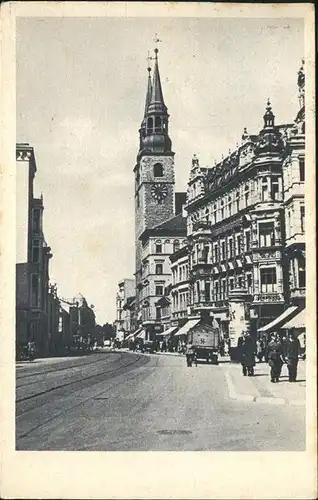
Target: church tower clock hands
(154,170)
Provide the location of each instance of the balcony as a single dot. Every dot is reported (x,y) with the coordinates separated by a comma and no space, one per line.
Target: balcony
(268,298)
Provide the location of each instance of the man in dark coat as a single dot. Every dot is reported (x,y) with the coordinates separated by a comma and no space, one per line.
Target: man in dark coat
(292,354)
(247,348)
(275,357)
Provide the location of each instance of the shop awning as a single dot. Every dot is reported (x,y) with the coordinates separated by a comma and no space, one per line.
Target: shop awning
(238,263)
(248,259)
(231,267)
(215,270)
(141,335)
(168,332)
(185,328)
(132,335)
(222,268)
(279,321)
(299,321)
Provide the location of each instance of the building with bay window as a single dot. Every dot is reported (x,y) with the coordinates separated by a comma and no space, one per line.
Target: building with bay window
(245,228)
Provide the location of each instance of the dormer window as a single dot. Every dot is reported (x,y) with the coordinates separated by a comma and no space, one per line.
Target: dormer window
(158,170)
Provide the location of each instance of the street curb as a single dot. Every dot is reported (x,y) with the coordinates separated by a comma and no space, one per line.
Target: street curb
(297,402)
(271,400)
(259,399)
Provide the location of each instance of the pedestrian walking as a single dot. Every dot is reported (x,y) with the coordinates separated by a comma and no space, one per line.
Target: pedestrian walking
(189,355)
(292,356)
(247,351)
(275,357)
(222,347)
(260,350)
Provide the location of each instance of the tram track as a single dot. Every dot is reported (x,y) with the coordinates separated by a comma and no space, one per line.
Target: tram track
(97,376)
(83,365)
(84,400)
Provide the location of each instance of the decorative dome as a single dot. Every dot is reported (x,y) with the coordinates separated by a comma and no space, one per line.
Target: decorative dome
(270,139)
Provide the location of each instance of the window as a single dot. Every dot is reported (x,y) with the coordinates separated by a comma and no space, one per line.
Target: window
(214,219)
(237,201)
(158,124)
(198,291)
(36,251)
(302,218)
(207,291)
(238,244)
(216,253)
(268,280)
(223,289)
(36,220)
(158,313)
(223,250)
(216,289)
(240,282)
(34,290)
(159,289)
(158,248)
(266,234)
(302,169)
(207,215)
(158,170)
(301,273)
(176,246)
(138,200)
(230,206)
(222,209)
(275,188)
(231,283)
(150,125)
(249,283)
(159,269)
(230,248)
(246,194)
(264,189)
(247,241)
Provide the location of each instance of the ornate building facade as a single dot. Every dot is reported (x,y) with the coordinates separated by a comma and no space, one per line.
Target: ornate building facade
(238,234)
(294,200)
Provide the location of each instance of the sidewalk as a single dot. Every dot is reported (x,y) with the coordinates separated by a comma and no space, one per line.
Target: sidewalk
(260,389)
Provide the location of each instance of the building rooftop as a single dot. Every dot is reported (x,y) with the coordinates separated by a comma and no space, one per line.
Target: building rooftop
(176,226)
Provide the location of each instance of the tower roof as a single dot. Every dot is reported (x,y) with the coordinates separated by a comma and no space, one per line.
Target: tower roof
(149,92)
(157,104)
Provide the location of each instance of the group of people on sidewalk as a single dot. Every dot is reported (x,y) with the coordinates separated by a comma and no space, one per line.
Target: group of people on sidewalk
(278,351)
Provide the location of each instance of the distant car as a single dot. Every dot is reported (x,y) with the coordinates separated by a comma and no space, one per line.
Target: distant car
(107,343)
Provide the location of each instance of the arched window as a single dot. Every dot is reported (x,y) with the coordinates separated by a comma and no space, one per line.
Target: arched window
(176,246)
(150,125)
(207,215)
(158,124)
(158,170)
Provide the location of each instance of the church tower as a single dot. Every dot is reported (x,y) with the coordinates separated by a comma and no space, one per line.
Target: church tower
(154,170)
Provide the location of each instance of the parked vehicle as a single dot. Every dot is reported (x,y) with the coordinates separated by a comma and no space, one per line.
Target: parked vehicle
(148,346)
(205,340)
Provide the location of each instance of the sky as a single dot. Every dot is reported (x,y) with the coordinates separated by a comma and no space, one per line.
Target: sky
(81,86)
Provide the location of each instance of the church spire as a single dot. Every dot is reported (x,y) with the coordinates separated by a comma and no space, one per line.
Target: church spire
(149,88)
(157,104)
(154,135)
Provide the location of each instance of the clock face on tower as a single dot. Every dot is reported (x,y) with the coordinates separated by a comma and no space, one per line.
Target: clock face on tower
(159,192)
